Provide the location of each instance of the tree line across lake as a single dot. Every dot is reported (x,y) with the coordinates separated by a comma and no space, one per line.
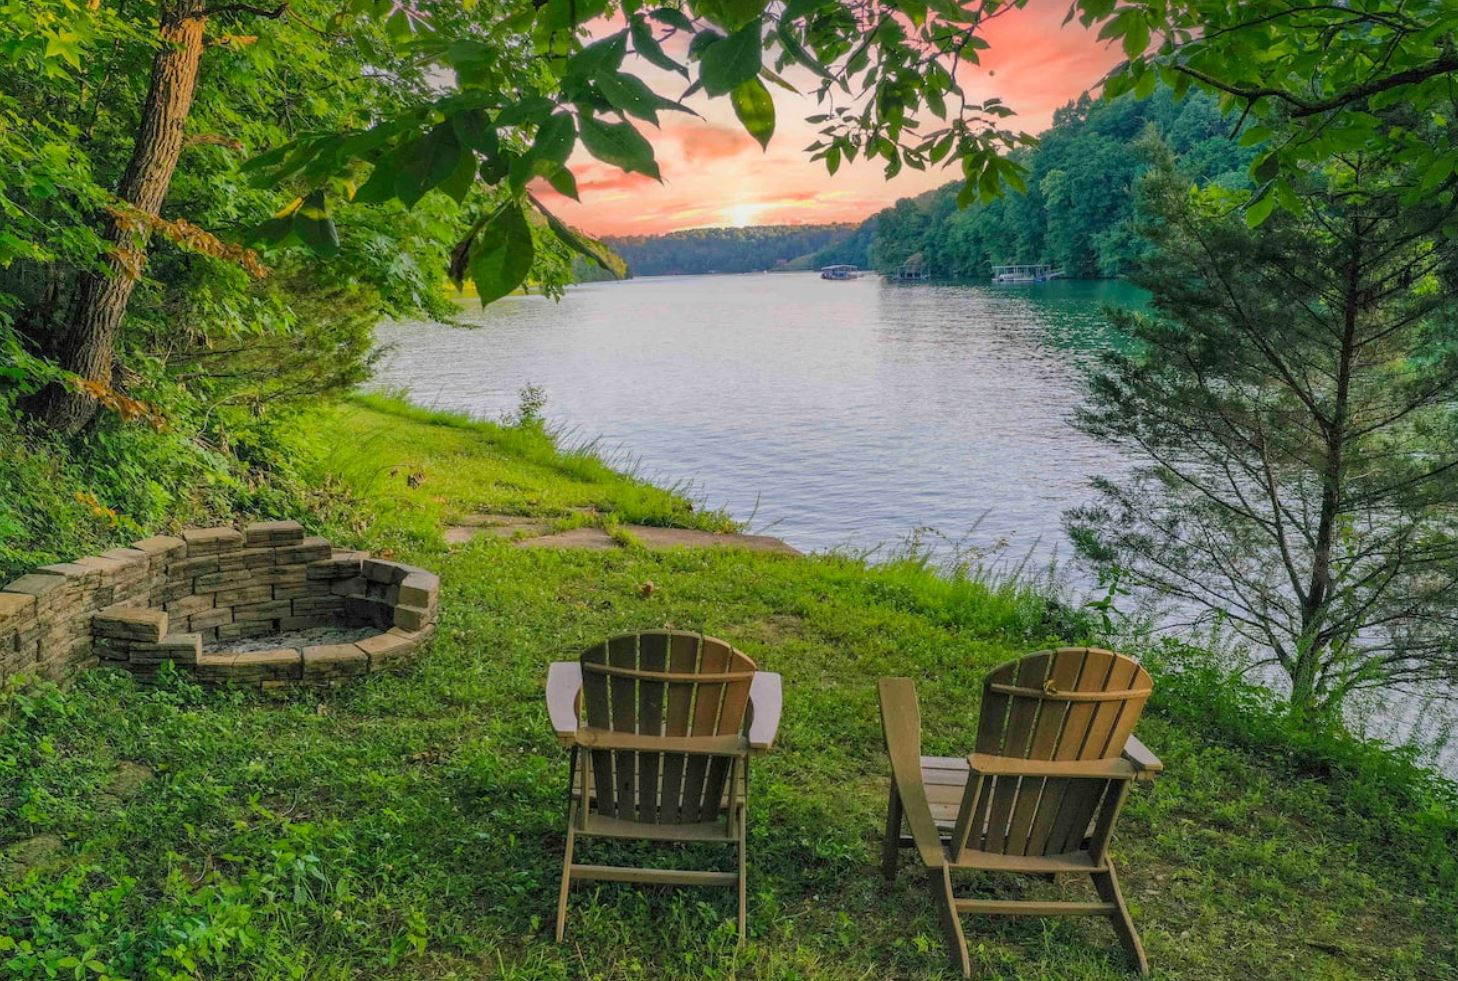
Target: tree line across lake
(696,251)
(1077,214)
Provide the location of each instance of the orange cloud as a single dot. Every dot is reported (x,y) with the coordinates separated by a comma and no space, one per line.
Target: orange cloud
(709,142)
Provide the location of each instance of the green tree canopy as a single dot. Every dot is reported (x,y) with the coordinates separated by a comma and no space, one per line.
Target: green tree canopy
(1289,407)
(1307,82)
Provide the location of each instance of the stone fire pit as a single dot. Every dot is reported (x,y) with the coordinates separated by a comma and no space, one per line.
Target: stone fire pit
(212,601)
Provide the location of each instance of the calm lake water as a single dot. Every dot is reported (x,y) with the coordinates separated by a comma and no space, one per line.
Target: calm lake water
(832,414)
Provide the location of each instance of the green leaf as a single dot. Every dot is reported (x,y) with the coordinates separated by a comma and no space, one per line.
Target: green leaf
(598,57)
(648,48)
(630,94)
(314,227)
(1254,135)
(796,9)
(458,185)
(755,109)
(618,144)
(549,150)
(274,231)
(1145,85)
(474,129)
(553,143)
(564,183)
(531,109)
(1136,38)
(584,245)
(501,254)
(733,60)
(267,159)
(730,14)
(426,163)
(1266,166)
(797,51)
(497,167)
(1259,209)
(381,184)
(672,17)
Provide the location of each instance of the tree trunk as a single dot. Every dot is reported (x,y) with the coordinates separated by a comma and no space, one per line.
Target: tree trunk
(1311,658)
(87,345)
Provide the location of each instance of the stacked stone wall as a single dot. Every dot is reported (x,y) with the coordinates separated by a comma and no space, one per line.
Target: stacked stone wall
(180,599)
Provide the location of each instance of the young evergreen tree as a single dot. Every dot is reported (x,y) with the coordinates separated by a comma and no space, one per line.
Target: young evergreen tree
(1289,405)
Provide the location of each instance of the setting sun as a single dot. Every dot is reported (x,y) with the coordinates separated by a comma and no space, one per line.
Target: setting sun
(742,215)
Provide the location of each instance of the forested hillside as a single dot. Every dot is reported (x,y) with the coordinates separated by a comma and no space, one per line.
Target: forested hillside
(724,250)
(1079,204)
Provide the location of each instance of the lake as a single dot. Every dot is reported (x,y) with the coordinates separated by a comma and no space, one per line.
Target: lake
(832,414)
(836,415)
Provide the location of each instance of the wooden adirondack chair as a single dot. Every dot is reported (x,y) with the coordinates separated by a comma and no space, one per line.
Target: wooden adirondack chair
(661,750)
(1041,794)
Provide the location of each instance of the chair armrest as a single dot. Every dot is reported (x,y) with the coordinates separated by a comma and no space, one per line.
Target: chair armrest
(766,699)
(1145,763)
(901,722)
(564,681)
(1012,766)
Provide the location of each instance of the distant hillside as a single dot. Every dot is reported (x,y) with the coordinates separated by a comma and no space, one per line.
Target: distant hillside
(1078,211)
(724,250)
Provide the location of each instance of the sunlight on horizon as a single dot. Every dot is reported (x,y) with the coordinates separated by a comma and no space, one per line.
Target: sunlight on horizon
(743,215)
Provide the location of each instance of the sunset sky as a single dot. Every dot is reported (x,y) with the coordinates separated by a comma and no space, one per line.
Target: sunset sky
(715,174)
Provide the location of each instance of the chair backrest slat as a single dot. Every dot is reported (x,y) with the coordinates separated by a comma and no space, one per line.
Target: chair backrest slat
(1093,676)
(1014,738)
(598,714)
(683,659)
(1066,704)
(713,659)
(652,692)
(733,703)
(1019,798)
(631,684)
(623,689)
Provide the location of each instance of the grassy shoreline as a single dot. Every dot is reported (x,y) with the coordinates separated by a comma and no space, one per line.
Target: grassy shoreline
(410,826)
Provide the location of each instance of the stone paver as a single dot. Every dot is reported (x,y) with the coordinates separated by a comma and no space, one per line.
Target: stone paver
(587,539)
(665,538)
(495,526)
(531,533)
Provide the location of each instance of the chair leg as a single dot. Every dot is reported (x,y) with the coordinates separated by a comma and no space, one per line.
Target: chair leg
(891,844)
(1107,885)
(941,885)
(743,877)
(566,872)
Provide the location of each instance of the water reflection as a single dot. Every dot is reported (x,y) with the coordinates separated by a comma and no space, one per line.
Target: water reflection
(839,414)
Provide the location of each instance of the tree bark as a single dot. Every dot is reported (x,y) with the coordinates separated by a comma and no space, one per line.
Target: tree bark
(1311,658)
(87,344)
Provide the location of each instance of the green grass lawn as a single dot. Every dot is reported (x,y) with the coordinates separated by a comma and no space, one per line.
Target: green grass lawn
(411,825)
